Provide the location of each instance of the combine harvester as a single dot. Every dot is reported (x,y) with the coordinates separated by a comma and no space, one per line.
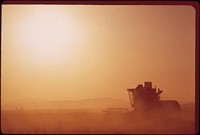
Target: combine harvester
(146,103)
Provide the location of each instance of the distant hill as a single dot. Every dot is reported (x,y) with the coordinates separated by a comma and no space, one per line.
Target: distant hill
(93,103)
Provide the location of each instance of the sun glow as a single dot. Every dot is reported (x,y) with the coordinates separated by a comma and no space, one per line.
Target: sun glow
(49,34)
(55,51)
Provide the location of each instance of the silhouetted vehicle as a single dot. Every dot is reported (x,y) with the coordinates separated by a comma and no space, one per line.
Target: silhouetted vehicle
(145,101)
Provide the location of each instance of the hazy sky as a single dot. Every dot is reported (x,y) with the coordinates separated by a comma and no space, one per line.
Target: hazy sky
(74,52)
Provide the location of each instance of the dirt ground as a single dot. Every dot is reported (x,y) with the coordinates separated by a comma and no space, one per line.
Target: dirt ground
(94,122)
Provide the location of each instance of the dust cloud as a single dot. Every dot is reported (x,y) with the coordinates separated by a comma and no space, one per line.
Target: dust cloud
(92,121)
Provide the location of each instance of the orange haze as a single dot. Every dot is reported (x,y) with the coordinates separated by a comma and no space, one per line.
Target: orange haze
(65,52)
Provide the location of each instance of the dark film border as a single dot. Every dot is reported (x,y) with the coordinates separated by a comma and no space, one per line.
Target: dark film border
(194,4)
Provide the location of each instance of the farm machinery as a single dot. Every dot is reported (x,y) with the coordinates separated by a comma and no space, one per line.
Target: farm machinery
(145,101)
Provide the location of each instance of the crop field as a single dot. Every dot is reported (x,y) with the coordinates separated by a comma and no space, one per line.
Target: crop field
(75,121)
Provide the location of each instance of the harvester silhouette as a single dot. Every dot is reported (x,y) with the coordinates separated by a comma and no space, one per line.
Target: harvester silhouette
(145,101)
